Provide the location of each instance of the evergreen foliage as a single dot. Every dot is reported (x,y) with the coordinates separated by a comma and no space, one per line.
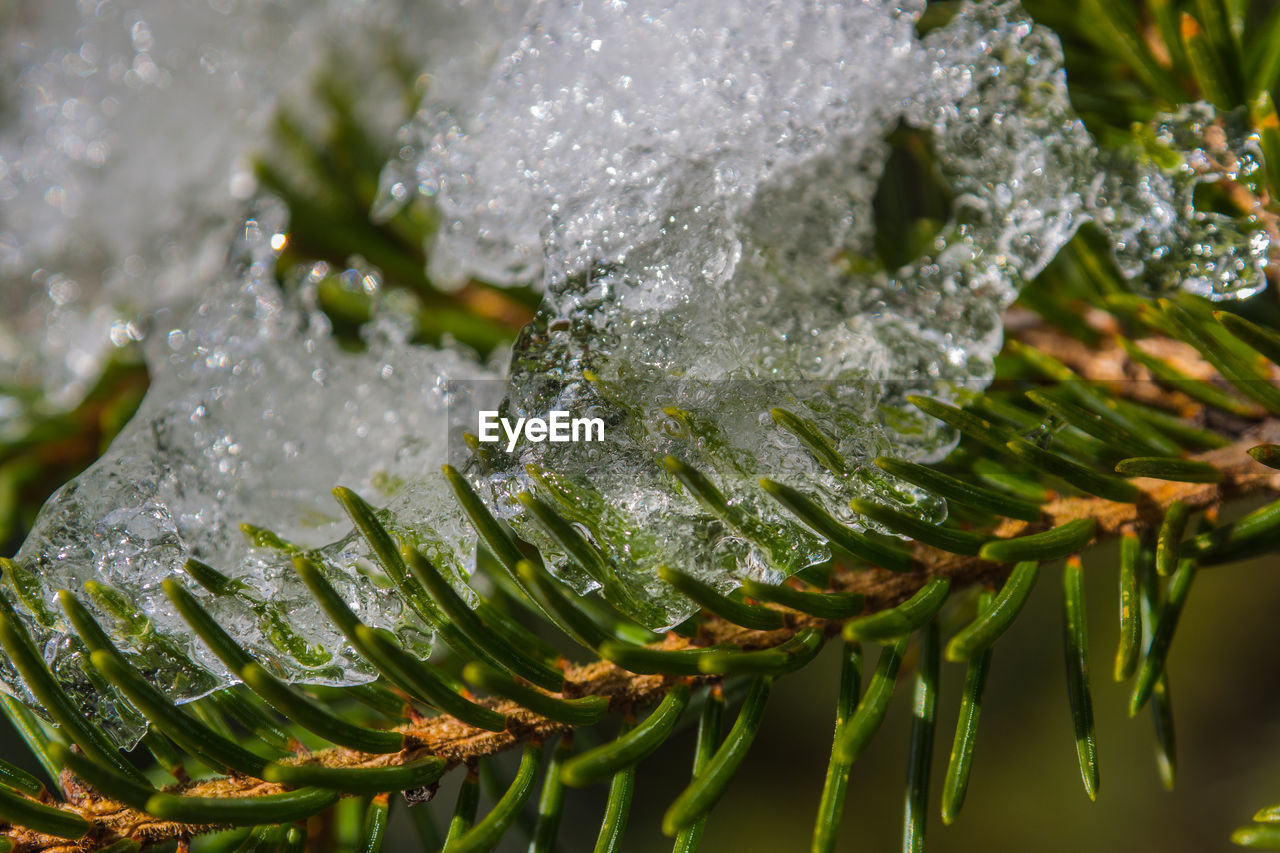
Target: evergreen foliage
(1116,420)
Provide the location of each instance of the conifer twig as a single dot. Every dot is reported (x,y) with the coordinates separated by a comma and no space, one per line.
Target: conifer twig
(458,743)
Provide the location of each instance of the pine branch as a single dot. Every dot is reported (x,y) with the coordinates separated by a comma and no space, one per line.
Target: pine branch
(458,743)
(1196,388)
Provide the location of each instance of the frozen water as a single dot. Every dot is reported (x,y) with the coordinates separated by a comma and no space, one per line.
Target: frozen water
(253,416)
(694,185)
(127,129)
(1149,210)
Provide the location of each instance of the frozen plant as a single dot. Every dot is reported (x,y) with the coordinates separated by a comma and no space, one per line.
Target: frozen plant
(714,298)
(694,184)
(255,414)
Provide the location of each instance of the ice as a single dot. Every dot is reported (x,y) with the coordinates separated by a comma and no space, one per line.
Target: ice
(127,132)
(255,413)
(1147,210)
(694,185)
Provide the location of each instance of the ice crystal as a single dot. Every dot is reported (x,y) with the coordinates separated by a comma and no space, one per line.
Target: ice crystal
(127,132)
(254,415)
(125,173)
(694,185)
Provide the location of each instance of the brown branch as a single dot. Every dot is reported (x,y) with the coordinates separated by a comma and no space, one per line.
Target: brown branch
(459,743)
